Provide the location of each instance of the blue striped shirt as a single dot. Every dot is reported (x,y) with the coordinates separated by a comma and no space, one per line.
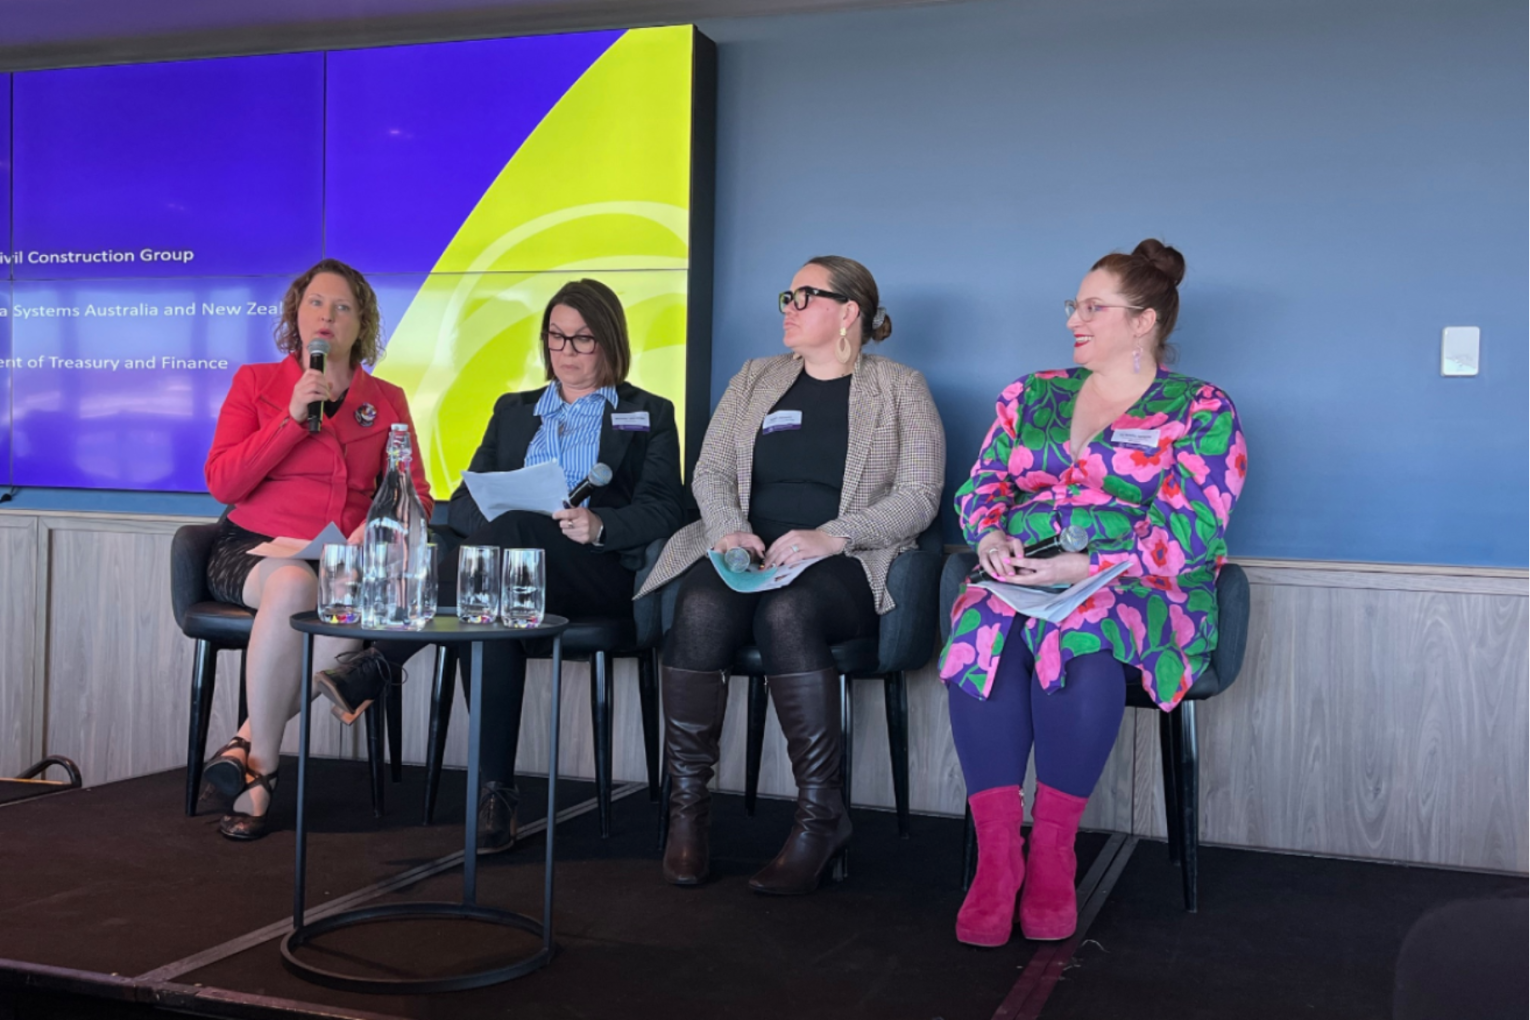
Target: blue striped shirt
(570,433)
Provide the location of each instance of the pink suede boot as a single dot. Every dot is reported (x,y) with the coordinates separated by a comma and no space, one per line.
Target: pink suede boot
(1048,905)
(988,913)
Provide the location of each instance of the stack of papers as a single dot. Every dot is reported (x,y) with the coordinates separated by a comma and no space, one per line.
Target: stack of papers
(1049,604)
(540,489)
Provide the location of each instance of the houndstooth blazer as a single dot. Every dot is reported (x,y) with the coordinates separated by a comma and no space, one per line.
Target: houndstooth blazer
(894,466)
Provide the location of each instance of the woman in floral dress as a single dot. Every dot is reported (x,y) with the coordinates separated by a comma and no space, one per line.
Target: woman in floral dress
(1149,464)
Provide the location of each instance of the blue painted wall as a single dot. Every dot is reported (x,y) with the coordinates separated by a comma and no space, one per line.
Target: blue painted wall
(1344,178)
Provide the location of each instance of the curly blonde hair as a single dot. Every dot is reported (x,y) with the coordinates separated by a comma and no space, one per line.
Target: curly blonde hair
(364,350)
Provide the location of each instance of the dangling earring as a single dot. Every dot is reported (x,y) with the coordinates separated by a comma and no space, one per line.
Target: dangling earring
(842,349)
(1136,359)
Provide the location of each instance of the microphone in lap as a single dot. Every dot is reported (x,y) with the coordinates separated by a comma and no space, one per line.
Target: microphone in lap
(1071,539)
(599,475)
(318,353)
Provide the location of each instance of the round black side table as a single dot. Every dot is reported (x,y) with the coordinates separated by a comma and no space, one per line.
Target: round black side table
(444,629)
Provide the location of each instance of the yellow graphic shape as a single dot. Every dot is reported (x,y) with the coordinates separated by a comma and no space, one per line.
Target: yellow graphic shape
(600,189)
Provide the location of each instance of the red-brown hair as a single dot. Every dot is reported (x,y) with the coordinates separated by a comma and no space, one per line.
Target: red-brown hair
(364,350)
(1149,278)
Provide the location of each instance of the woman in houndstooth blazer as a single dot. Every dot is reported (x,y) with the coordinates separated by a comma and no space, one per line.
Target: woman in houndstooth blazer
(825,454)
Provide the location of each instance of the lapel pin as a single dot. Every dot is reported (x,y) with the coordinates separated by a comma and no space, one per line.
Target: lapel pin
(366,414)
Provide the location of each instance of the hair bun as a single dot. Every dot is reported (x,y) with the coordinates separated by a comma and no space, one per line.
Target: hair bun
(1161,257)
(881,325)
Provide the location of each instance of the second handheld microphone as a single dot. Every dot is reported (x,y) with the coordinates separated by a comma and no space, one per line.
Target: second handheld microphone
(1071,539)
(599,475)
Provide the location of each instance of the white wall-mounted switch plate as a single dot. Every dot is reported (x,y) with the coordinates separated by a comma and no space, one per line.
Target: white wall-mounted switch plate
(1459,349)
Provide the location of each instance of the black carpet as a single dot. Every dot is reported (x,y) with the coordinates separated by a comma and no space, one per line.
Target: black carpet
(1277,936)
(116,879)
(879,945)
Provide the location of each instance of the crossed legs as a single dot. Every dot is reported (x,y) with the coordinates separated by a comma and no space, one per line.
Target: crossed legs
(277,589)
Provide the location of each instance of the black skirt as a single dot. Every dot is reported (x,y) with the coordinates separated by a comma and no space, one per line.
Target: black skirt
(230,563)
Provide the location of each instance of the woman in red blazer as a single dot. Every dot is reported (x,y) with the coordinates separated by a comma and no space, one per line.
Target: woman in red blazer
(282,480)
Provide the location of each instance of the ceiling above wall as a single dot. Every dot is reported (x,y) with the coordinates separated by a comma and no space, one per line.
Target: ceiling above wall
(66,33)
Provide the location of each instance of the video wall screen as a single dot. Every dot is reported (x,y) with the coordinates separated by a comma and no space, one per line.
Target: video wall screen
(157,213)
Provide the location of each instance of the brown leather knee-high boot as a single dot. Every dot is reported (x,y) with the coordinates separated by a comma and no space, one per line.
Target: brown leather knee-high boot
(694,703)
(808,706)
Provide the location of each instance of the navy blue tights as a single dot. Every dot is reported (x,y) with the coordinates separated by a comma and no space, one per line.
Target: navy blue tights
(1073,728)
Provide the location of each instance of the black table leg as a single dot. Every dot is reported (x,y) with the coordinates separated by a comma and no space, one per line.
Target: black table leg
(303,934)
(300,881)
(475,743)
(552,792)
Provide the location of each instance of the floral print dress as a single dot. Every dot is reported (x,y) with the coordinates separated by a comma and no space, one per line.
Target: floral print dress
(1160,503)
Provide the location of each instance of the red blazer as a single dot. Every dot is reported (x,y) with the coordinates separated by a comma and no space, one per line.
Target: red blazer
(281,480)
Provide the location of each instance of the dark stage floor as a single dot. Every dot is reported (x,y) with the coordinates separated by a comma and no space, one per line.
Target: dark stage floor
(116,881)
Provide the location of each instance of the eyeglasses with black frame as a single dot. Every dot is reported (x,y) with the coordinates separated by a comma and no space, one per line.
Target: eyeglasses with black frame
(800,297)
(555,341)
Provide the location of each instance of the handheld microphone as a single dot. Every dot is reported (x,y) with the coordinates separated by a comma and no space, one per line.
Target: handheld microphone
(737,559)
(1071,539)
(599,475)
(318,352)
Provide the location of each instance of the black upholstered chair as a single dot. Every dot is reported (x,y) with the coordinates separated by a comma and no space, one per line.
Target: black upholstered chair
(216,627)
(1176,729)
(905,641)
(598,641)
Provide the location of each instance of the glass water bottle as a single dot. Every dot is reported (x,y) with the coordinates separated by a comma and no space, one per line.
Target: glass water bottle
(395,538)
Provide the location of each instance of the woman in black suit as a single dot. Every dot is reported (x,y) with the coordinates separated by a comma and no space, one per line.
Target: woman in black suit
(586,414)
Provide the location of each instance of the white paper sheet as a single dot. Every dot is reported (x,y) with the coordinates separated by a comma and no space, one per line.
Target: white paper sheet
(297,549)
(758,578)
(1047,603)
(540,489)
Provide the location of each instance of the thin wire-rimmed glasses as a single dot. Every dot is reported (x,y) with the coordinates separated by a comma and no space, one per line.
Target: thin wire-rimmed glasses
(800,297)
(555,341)
(1089,309)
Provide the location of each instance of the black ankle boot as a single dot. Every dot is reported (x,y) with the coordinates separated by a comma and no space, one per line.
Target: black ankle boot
(808,706)
(694,703)
(497,805)
(355,681)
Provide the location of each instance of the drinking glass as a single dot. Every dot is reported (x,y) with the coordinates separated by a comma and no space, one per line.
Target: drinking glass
(524,596)
(425,586)
(478,584)
(340,584)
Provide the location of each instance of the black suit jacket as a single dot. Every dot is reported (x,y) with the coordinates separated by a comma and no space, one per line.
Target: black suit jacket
(642,500)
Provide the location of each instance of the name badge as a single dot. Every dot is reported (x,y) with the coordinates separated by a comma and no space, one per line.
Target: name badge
(1145,438)
(634,421)
(780,421)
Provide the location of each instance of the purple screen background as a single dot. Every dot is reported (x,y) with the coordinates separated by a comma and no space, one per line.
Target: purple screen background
(260,166)
(6,472)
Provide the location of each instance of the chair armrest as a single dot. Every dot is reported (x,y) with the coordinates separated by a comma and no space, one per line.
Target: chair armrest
(189,552)
(952,576)
(907,633)
(648,611)
(1232,623)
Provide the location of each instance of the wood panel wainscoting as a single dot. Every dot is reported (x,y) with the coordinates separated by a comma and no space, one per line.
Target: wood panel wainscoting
(1383,711)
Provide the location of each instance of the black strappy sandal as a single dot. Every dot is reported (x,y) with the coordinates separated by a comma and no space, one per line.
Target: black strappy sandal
(223,777)
(239,826)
